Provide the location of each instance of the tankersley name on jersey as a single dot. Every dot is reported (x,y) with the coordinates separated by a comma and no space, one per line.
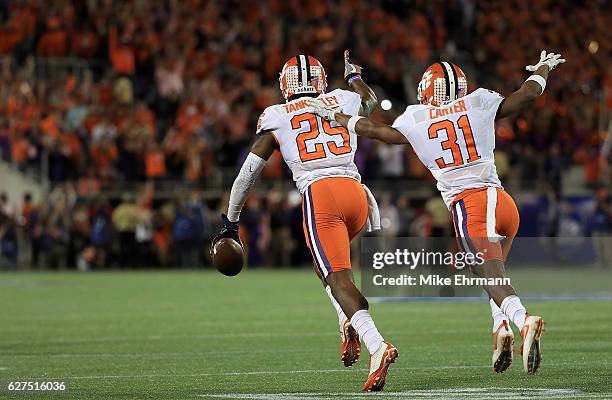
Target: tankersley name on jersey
(300,104)
(455,141)
(312,147)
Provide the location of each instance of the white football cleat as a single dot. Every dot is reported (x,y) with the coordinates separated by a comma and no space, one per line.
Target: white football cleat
(503,347)
(351,346)
(379,364)
(530,349)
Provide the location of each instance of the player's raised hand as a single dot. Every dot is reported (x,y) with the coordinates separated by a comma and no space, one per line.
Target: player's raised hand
(319,108)
(551,60)
(350,70)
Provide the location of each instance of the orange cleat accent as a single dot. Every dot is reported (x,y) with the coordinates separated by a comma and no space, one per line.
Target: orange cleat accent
(503,347)
(351,346)
(531,334)
(379,365)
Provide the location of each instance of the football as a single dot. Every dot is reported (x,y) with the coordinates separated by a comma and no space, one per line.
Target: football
(228,257)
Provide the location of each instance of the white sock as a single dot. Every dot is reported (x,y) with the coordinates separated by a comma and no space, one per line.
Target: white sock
(497,314)
(341,315)
(514,309)
(364,325)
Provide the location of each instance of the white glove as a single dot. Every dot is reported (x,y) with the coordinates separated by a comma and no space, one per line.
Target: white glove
(319,108)
(350,69)
(551,60)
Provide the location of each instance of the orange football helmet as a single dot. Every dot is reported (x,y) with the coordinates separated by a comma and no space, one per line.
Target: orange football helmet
(302,74)
(441,83)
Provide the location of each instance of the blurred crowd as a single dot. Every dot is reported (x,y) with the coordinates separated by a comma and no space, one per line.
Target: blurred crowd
(137,231)
(104,92)
(173,89)
(69,231)
(66,230)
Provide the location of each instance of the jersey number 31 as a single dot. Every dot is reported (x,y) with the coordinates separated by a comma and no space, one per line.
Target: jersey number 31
(313,132)
(451,142)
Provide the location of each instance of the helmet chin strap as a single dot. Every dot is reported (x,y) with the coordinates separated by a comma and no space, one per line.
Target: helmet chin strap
(299,95)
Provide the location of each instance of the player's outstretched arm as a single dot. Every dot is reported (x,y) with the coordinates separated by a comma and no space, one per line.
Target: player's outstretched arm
(532,88)
(261,151)
(375,130)
(361,126)
(352,77)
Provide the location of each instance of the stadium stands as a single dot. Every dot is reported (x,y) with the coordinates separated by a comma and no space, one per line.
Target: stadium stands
(115,102)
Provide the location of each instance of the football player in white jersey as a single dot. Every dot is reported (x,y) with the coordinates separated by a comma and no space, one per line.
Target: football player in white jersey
(453,134)
(320,155)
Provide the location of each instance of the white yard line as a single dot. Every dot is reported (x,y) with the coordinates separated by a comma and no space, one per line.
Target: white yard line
(460,393)
(246,373)
(287,372)
(241,335)
(301,350)
(150,355)
(166,337)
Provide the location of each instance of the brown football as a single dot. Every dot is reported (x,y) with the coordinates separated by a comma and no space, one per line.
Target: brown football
(228,256)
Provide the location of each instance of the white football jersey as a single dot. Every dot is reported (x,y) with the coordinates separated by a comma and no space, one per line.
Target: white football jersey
(313,147)
(455,141)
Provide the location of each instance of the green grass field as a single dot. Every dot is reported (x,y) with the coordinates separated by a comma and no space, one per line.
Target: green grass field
(272,335)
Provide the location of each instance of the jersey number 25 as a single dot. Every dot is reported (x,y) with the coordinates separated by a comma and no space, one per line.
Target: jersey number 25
(313,132)
(451,142)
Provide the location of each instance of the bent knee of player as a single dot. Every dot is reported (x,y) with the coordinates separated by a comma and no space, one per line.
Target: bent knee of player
(342,284)
(491,268)
(339,278)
